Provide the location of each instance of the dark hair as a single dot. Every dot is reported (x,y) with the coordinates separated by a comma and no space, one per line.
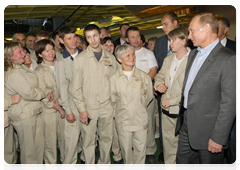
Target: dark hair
(143,38)
(107,30)
(91,27)
(31,34)
(105,39)
(54,35)
(173,16)
(131,29)
(225,22)
(40,47)
(42,33)
(65,30)
(122,25)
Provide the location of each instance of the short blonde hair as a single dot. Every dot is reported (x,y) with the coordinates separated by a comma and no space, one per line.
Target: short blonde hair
(122,49)
(9,49)
(181,33)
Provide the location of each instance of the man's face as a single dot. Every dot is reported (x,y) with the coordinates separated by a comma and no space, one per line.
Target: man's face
(79,43)
(104,34)
(134,39)
(20,38)
(123,30)
(197,33)
(168,25)
(222,32)
(69,41)
(57,43)
(31,42)
(93,38)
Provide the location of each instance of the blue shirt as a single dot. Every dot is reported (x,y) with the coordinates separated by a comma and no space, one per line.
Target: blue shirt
(197,63)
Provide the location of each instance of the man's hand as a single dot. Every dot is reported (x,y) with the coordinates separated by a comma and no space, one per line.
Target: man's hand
(83,117)
(16,98)
(162,88)
(214,147)
(71,118)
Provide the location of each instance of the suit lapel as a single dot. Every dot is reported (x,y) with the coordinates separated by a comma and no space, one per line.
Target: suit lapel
(191,58)
(211,57)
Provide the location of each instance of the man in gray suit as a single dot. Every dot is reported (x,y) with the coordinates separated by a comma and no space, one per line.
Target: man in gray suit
(208,104)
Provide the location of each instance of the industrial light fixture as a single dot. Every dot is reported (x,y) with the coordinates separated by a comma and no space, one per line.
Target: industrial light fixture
(159,27)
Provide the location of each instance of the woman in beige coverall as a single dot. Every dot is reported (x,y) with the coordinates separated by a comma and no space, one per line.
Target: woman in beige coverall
(46,74)
(24,116)
(169,81)
(131,92)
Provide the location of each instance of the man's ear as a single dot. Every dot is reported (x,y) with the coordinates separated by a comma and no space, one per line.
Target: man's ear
(61,40)
(226,30)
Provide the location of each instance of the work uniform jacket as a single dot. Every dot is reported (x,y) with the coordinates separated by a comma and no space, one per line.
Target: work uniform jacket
(21,80)
(91,89)
(131,98)
(174,92)
(47,79)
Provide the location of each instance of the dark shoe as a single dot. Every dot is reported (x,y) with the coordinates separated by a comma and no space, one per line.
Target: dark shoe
(17,166)
(118,164)
(151,159)
(82,162)
(160,157)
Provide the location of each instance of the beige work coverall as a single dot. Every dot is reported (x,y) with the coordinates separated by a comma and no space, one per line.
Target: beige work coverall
(91,92)
(131,98)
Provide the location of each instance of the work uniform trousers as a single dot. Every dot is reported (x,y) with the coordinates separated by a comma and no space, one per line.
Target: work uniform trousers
(102,119)
(68,139)
(151,143)
(170,141)
(133,146)
(187,155)
(31,139)
(117,156)
(157,133)
(10,152)
(50,137)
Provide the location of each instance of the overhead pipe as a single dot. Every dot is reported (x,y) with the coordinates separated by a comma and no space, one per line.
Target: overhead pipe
(66,19)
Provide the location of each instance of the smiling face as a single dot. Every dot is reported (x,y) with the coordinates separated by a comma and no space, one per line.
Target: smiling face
(93,38)
(128,60)
(134,38)
(108,46)
(48,54)
(18,55)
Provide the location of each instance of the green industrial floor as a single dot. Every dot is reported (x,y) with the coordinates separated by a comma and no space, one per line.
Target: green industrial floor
(156,166)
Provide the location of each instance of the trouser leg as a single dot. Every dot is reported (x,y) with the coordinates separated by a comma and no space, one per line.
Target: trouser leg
(151,143)
(50,135)
(8,147)
(60,137)
(71,136)
(170,141)
(26,131)
(139,146)
(117,156)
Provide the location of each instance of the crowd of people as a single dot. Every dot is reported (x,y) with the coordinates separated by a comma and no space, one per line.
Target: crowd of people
(84,95)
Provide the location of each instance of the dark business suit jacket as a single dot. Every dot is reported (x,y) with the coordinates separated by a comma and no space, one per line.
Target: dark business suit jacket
(117,42)
(211,106)
(160,50)
(231,45)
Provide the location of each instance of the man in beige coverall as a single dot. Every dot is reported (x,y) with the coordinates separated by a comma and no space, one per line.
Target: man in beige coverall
(91,95)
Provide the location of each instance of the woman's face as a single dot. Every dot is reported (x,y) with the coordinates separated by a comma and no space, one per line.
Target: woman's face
(177,44)
(18,55)
(108,46)
(48,54)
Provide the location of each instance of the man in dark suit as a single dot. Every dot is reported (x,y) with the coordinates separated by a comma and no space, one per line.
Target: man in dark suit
(224,26)
(162,49)
(208,104)
(122,31)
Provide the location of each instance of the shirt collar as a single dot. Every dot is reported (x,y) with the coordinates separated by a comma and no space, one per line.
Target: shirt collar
(224,41)
(209,48)
(66,54)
